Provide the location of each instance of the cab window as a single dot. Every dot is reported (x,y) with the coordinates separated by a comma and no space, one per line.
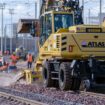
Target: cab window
(48,23)
(46,28)
(63,21)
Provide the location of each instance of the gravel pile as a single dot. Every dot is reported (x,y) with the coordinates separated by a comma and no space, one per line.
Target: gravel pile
(55,97)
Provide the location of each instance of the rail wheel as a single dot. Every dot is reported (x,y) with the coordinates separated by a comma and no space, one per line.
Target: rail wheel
(65,80)
(84,85)
(46,75)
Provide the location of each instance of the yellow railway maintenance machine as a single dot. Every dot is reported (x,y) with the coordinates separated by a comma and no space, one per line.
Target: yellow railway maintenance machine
(71,56)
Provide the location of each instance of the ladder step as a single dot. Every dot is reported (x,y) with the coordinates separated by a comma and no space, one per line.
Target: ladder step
(54,78)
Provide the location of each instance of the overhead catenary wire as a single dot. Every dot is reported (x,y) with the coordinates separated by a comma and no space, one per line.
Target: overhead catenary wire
(96,10)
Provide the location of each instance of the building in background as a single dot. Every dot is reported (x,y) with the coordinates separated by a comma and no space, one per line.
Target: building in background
(17,40)
(27,27)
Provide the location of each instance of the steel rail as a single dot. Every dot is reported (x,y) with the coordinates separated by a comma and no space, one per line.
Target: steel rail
(14,98)
(93,94)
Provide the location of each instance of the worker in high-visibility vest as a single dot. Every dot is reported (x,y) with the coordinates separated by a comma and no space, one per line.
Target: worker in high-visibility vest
(14,58)
(29,60)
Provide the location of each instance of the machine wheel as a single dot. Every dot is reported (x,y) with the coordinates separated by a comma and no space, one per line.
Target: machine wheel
(46,75)
(65,80)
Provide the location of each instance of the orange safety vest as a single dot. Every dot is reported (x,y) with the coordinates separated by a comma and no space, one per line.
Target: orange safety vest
(29,58)
(14,58)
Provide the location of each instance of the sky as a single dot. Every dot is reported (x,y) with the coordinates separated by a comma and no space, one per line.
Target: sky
(21,9)
(94,7)
(26,9)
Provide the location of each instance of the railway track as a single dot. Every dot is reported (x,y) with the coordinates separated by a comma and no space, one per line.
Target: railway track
(99,95)
(16,100)
(83,98)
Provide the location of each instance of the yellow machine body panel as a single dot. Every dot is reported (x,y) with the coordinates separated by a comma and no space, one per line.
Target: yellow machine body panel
(83,41)
(75,43)
(49,50)
(49,47)
(83,45)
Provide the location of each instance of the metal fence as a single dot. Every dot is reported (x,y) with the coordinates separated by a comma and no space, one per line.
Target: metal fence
(28,43)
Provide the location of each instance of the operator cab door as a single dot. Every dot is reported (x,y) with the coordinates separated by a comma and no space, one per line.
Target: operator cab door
(46,27)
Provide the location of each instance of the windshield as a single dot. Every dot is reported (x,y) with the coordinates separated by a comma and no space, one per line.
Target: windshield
(63,21)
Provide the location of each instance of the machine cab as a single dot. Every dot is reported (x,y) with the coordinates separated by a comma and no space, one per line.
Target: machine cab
(52,21)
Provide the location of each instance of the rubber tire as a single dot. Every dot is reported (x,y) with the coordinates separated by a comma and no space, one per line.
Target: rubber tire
(46,75)
(66,82)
